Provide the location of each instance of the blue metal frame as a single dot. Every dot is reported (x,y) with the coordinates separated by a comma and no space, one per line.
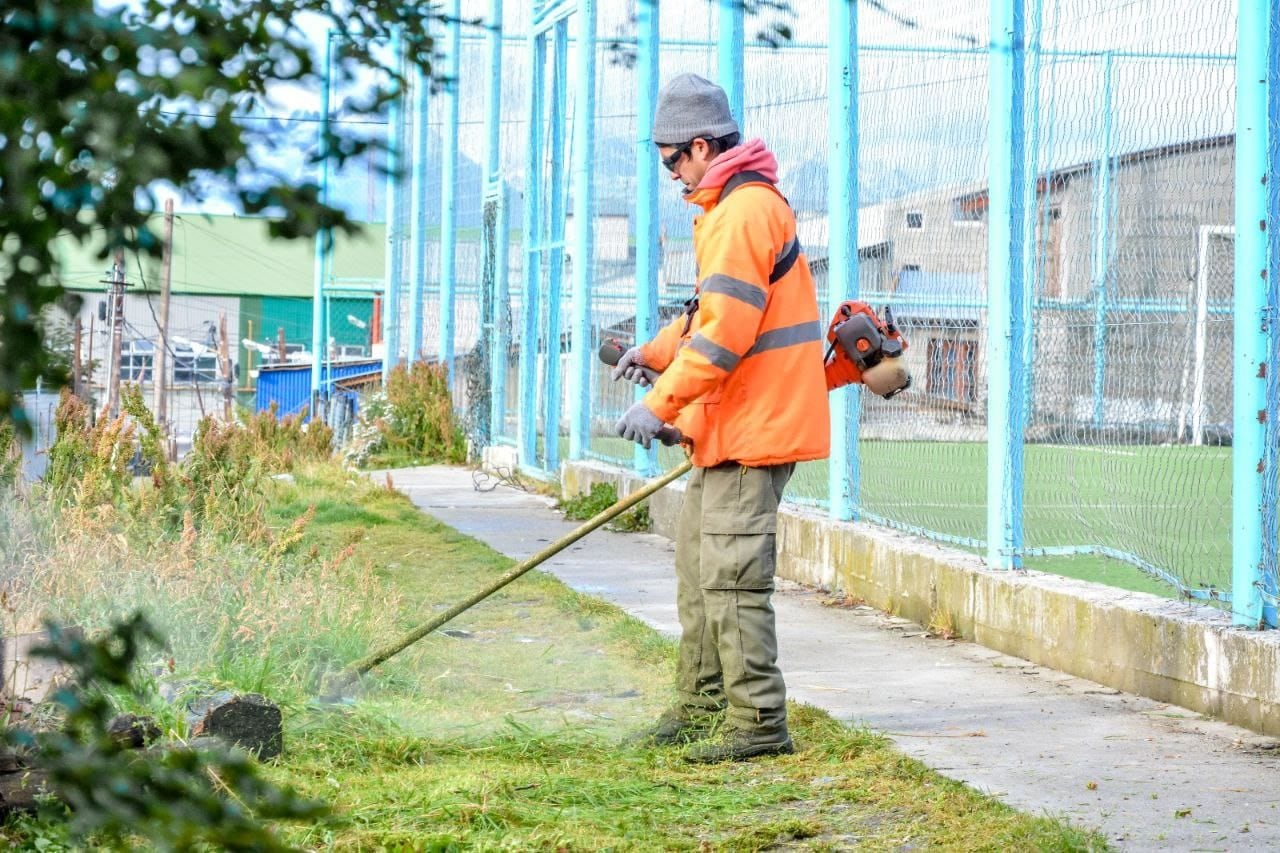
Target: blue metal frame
(502,338)
(418,215)
(527,442)
(1006,296)
(775,48)
(1103,203)
(548,13)
(843,279)
(1271,460)
(1030,201)
(729,48)
(554,246)
(545,236)
(1252,347)
(449,191)
(495,191)
(584,132)
(324,237)
(646,461)
(1014,134)
(395,218)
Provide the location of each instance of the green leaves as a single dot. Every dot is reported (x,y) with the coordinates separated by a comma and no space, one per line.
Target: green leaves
(174,798)
(99,106)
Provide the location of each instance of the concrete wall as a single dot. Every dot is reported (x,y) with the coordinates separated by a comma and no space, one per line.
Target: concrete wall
(1169,651)
(943,244)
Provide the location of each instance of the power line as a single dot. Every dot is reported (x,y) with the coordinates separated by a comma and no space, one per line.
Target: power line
(279,266)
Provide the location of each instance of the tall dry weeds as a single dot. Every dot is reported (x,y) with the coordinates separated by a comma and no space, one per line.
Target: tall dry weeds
(10,455)
(411,421)
(190,545)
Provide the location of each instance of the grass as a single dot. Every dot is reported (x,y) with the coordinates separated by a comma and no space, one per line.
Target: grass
(505,732)
(523,790)
(505,729)
(601,497)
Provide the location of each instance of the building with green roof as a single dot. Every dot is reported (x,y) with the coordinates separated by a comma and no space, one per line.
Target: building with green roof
(223,264)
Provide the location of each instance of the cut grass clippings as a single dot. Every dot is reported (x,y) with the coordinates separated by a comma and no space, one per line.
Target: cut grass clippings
(504,729)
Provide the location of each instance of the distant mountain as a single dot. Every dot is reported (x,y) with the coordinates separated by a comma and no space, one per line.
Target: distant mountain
(361,191)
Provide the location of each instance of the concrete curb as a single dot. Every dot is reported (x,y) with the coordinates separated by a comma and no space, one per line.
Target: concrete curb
(1166,650)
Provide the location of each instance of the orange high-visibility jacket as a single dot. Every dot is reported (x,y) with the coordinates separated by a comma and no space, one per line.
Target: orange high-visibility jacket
(745,379)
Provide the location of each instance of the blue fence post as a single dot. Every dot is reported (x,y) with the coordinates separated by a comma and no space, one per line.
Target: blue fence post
(1032,266)
(1006,235)
(502,310)
(449,192)
(1102,249)
(393,282)
(555,229)
(584,133)
(648,52)
(324,237)
(498,251)
(418,232)
(843,281)
(528,426)
(1251,343)
(1271,477)
(729,40)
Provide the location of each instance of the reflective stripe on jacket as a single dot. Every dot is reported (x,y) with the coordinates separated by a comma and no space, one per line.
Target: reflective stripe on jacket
(745,380)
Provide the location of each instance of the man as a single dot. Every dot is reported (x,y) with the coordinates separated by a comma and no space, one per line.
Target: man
(742,378)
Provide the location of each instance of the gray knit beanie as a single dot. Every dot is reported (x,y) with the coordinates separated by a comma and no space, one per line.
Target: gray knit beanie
(690,107)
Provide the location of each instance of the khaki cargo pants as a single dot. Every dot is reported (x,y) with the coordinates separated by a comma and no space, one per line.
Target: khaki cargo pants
(725,559)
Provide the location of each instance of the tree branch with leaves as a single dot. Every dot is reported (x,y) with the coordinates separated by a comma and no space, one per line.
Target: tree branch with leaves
(101,106)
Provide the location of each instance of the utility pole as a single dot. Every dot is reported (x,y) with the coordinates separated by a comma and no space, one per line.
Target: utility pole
(282,353)
(75,358)
(117,333)
(248,354)
(224,362)
(161,403)
(92,368)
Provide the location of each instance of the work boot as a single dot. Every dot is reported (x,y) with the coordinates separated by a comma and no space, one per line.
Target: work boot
(735,744)
(676,727)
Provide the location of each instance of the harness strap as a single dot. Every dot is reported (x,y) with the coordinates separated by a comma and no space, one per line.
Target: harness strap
(782,265)
(746,177)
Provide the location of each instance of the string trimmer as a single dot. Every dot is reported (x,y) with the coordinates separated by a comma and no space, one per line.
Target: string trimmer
(337,685)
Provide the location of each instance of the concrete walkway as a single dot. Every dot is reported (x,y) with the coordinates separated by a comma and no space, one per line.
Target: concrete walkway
(1148,775)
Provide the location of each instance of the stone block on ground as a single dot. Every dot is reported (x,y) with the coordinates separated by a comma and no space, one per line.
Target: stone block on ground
(28,678)
(19,791)
(249,721)
(14,758)
(133,731)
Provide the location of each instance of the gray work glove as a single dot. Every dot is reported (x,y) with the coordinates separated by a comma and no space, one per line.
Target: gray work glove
(631,368)
(639,424)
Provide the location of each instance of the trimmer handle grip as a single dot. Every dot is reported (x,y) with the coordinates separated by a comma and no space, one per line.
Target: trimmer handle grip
(670,436)
(611,353)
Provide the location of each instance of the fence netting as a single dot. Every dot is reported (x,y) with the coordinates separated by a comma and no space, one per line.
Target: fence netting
(692,38)
(1130,414)
(1129,118)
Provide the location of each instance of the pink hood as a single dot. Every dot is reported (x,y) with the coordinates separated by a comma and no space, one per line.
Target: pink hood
(750,156)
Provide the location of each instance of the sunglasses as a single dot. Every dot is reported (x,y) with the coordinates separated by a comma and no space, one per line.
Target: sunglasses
(674,160)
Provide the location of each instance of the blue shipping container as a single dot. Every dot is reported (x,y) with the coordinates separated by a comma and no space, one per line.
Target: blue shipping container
(288,386)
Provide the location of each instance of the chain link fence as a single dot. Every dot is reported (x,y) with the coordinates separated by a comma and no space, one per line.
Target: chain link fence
(1129,261)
